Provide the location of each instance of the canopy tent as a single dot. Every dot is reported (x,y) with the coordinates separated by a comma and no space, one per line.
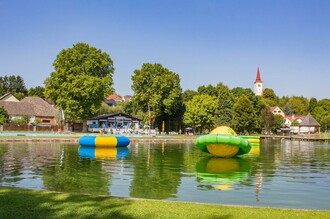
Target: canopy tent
(309,122)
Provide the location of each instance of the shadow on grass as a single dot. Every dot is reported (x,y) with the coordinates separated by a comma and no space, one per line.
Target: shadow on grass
(20,203)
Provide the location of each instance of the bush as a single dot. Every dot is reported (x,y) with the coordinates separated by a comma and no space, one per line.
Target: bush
(3,116)
(21,121)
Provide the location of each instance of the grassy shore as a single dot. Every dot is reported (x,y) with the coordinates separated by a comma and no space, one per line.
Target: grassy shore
(21,203)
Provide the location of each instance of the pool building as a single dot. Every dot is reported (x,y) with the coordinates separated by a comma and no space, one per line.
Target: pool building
(113,123)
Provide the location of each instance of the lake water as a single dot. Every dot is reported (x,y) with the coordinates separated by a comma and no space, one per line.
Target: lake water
(288,174)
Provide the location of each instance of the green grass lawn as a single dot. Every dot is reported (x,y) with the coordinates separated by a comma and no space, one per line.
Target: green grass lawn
(21,203)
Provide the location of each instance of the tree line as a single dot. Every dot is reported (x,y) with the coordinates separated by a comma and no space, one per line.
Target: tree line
(82,79)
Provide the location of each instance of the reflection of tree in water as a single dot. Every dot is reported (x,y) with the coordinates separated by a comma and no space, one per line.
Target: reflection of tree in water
(263,167)
(20,158)
(157,170)
(70,173)
(58,166)
(3,149)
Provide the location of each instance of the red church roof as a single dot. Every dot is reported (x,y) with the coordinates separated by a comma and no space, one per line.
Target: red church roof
(258,79)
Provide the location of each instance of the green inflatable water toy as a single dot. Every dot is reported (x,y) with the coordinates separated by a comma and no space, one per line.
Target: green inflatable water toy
(223,142)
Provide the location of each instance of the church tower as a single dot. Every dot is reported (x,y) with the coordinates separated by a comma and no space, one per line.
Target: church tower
(258,85)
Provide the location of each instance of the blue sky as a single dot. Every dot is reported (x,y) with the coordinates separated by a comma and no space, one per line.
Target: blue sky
(205,42)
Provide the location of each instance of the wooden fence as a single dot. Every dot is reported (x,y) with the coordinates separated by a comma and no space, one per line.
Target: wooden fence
(28,128)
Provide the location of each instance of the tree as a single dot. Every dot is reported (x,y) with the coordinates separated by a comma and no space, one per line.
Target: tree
(225,104)
(37,91)
(238,92)
(80,82)
(157,91)
(200,111)
(325,123)
(3,116)
(257,102)
(13,84)
(299,105)
(267,118)
(188,95)
(210,90)
(321,113)
(278,122)
(244,115)
(312,104)
(270,97)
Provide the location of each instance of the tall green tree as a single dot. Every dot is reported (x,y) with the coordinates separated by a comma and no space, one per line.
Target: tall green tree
(13,84)
(267,118)
(210,90)
(312,104)
(299,105)
(270,97)
(80,82)
(225,104)
(37,91)
(200,112)
(239,91)
(244,115)
(157,90)
(188,95)
(321,113)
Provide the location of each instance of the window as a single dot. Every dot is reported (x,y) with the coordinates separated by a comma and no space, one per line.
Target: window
(45,121)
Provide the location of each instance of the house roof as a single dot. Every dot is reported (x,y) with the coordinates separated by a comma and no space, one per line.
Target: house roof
(17,108)
(294,118)
(104,116)
(31,106)
(41,107)
(127,98)
(7,96)
(115,97)
(271,109)
(309,121)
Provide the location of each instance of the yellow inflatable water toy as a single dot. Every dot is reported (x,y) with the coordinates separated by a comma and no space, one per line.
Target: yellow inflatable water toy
(252,139)
(223,142)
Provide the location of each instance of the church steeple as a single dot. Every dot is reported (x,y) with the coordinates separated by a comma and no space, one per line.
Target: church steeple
(258,84)
(258,79)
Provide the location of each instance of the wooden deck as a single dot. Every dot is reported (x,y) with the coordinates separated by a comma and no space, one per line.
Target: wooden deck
(296,137)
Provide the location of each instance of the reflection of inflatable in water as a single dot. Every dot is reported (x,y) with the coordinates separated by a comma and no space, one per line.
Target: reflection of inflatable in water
(104,141)
(253,140)
(255,150)
(224,171)
(223,142)
(103,152)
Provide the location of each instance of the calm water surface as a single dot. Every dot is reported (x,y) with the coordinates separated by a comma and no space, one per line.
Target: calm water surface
(289,174)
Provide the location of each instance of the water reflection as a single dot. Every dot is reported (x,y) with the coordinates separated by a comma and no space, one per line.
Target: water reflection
(224,171)
(103,152)
(276,174)
(157,170)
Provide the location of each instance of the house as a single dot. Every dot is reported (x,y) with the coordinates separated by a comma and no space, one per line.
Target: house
(34,107)
(112,122)
(291,119)
(310,124)
(277,111)
(9,98)
(113,99)
(127,98)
